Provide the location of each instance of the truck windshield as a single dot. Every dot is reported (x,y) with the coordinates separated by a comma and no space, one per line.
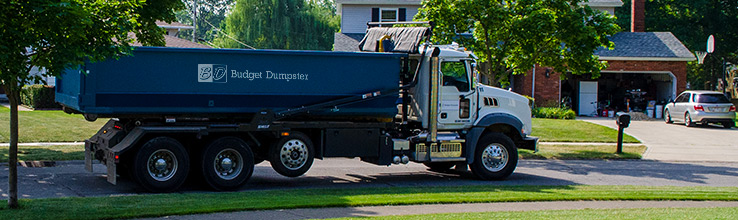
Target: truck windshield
(454,74)
(711,98)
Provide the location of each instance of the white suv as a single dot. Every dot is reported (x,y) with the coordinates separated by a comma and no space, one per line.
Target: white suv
(704,107)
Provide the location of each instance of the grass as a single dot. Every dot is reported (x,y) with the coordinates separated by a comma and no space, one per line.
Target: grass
(643,213)
(57,126)
(583,152)
(48,126)
(556,130)
(139,206)
(46,153)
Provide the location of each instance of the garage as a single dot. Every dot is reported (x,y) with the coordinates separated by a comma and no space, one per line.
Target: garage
(645,70)
(618,91)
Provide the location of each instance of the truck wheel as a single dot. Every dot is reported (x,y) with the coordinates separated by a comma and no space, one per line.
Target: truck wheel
(292,155)
(161,165)
(495,157)
(227,163)
(439,166)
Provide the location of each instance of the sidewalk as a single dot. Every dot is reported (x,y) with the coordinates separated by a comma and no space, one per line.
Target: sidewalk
(4,102)
(373,211)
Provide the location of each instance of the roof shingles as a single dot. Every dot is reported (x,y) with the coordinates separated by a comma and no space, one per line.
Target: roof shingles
(647,45)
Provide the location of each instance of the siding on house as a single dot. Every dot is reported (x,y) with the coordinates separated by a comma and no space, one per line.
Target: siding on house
(355,17)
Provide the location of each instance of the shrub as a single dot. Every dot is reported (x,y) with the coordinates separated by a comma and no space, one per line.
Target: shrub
(38,96)
(557,113)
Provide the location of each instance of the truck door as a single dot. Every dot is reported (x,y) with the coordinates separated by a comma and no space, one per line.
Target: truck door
(456,98)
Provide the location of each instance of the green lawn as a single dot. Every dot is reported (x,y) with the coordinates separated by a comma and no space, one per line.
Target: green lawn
(48,126)
(57,126)
(646,213)
(557,130)
(152,205)
(583,152)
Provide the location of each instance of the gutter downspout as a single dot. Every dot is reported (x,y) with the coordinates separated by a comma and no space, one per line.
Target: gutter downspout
(533,85)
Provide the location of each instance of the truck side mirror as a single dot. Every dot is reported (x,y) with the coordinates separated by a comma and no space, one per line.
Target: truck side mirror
(474,73)
(622,119)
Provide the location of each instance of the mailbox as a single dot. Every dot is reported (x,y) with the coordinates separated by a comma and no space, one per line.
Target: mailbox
(623,119)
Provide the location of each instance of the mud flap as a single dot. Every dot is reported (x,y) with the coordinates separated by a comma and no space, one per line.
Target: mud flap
(88,156)
(110,163)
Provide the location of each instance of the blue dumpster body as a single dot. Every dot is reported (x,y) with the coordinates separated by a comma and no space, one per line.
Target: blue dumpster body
(178,81)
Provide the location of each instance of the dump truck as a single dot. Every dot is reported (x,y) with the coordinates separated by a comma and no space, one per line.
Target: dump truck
(215,113)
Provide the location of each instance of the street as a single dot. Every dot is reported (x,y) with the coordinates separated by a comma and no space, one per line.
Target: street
(69,179)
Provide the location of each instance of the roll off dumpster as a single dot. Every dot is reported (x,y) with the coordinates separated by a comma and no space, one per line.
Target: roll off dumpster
(214,113)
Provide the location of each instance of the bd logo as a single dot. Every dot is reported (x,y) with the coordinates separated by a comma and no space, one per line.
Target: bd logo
(215,73)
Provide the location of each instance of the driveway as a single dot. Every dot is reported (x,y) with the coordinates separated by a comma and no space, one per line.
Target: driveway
(676,142)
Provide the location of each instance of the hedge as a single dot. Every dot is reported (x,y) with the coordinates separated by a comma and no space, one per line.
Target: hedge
(38,96)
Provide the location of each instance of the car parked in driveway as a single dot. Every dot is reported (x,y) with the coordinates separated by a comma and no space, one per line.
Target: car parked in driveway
(692,107)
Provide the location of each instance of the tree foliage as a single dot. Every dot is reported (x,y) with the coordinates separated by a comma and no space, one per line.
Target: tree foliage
(208,12)
(512,36)
(58,34)
(280,24)
(692,21)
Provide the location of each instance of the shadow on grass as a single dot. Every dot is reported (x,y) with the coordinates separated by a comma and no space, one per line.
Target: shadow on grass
(43,154)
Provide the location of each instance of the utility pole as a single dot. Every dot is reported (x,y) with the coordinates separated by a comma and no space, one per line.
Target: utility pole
(194,21)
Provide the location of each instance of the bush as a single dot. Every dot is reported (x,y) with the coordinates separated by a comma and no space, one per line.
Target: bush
(557,113)
(38,96)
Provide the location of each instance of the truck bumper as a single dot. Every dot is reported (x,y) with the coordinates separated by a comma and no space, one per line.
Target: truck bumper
(530,143)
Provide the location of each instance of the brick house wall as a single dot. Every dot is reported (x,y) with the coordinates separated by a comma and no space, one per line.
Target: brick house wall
(547,89)
(679,69)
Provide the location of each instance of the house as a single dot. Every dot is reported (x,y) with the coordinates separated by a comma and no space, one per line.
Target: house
(646,70)
(643,67)
(356,13)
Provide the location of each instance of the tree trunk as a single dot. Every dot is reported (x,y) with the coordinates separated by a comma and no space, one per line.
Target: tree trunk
(13,97)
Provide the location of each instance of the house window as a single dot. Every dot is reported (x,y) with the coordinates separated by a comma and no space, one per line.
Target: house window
(388,14)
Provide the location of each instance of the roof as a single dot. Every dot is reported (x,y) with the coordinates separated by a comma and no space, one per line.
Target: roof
(646,46)
(174,25)
(347,42)
(172,41)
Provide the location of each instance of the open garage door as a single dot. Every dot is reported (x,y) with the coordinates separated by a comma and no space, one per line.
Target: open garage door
(619,91)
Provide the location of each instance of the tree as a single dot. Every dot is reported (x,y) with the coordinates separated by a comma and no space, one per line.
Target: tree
(280,24)
(208,12)
(692,21)
(60,34)
(511,36)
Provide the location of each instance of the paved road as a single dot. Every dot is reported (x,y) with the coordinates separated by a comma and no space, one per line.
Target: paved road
(676,142)
(69,178)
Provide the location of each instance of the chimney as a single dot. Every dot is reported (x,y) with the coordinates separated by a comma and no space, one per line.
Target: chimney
(638,16)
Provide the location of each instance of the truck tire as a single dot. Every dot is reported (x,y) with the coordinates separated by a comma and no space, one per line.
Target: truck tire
(292,155)
(161,165)
(227,163)
(495,157)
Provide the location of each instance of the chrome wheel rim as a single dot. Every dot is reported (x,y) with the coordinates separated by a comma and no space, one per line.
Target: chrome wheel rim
(495,157)
(293,154)
(162,165)
(687,120)
(228,164)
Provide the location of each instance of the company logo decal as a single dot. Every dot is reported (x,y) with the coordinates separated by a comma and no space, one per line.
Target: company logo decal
(218,73)
(215,73)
